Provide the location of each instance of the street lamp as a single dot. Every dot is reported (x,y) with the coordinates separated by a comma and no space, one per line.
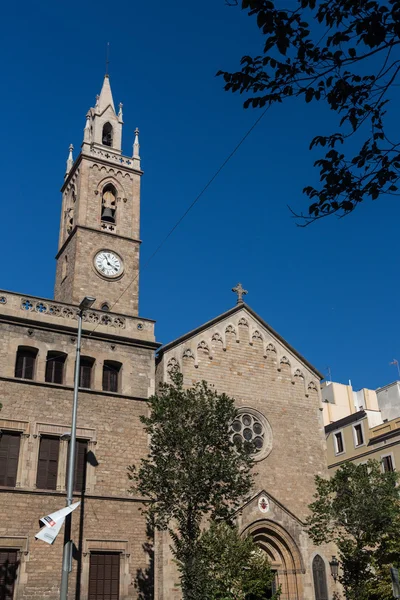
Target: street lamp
(86,303)
(334,565)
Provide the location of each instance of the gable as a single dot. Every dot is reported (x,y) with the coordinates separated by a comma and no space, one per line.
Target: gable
(243,321)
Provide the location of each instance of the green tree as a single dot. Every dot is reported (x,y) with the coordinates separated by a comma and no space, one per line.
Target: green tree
(359,510)
(235,567)
(193,470)
(345,54)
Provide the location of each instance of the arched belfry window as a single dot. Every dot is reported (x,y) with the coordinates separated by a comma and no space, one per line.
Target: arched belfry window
(109,203)
(319,576)
(107,137)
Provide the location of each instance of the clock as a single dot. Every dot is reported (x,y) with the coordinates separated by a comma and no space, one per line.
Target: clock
(108,264)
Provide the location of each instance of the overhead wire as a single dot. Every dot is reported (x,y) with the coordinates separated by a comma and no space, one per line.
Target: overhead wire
(182,217)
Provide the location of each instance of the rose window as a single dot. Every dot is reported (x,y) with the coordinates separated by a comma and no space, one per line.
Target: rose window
(251,426)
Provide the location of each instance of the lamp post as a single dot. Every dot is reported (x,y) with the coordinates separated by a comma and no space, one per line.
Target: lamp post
(87,302)
(334,565)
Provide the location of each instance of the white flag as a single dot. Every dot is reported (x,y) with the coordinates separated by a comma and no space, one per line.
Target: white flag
(53,523)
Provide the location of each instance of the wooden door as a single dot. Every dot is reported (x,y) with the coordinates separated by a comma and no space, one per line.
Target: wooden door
(104,576)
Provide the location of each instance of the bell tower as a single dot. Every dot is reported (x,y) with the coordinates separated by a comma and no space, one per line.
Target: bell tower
(98,252)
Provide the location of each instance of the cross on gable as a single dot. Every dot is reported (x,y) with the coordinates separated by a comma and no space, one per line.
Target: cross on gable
(240,292)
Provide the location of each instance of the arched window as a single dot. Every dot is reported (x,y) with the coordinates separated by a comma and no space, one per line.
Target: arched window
(55,362)
(107,137)
(111,375)
(109,203)
(319,575)
(25,362)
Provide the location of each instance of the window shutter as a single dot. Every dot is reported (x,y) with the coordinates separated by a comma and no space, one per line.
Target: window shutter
(58,370)
(110,377)
(49,371)
(48,463)
(8,573)
(9,454)
(80,465)
(29,365)
(19,365)
(25,363)
(85,374)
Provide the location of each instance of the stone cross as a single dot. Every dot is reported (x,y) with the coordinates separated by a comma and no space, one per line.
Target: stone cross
(240,293)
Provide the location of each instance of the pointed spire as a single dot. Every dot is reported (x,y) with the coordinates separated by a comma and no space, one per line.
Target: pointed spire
(70,160)
(105,98)
(86,131)
(136,145)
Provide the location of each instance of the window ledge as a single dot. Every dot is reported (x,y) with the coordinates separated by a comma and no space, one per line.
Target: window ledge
(62,386)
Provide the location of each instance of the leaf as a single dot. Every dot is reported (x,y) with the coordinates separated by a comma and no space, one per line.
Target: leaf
(309,94)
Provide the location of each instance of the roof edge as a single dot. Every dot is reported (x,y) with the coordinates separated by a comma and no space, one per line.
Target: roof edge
(228,313)
(361,414)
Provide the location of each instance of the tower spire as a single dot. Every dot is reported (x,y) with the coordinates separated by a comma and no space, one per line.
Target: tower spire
(107,57)
(105,98)
(70,160)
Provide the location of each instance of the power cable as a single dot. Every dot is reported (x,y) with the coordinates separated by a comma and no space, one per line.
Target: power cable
(182,217)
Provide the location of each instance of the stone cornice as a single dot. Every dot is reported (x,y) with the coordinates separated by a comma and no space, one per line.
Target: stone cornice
(63,329)
(109,236)
(70,388)
(88,496)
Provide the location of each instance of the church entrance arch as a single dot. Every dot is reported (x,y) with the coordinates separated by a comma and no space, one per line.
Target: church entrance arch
(283,555)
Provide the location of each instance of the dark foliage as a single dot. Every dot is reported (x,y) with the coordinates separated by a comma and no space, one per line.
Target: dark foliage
(193,471)
(343,53)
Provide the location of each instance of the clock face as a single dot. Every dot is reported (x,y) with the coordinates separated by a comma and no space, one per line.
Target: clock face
(108,264)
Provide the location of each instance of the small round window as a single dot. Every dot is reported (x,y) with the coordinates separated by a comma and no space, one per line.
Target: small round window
(252,426)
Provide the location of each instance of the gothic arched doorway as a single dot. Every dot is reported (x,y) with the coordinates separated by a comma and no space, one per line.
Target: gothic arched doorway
(319,577)
(283,555)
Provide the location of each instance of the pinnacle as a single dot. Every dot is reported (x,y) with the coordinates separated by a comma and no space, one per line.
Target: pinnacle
(105,98)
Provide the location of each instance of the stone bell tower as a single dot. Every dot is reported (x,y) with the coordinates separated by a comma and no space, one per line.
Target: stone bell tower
(98,252)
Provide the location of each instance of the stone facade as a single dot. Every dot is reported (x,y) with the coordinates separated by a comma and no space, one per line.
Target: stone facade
(237,352)
(242,356)
(33,408)
(84,230)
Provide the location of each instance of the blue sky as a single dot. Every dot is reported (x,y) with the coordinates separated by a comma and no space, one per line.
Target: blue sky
(329,289)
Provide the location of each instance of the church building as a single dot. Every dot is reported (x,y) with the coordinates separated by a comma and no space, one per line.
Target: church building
(276,389)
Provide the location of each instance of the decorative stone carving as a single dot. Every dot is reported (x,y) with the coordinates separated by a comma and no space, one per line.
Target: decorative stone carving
(3,300)
(110,156)
(252,426)
(26,304)
(263,504)
(172,365)
(298,374)
(66,312)
(312,387)
(256,335)
(188,353)
(270,349)
(217,337)
(203,346)
(121,323)
(243,321)
(230,329)
(284,361)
